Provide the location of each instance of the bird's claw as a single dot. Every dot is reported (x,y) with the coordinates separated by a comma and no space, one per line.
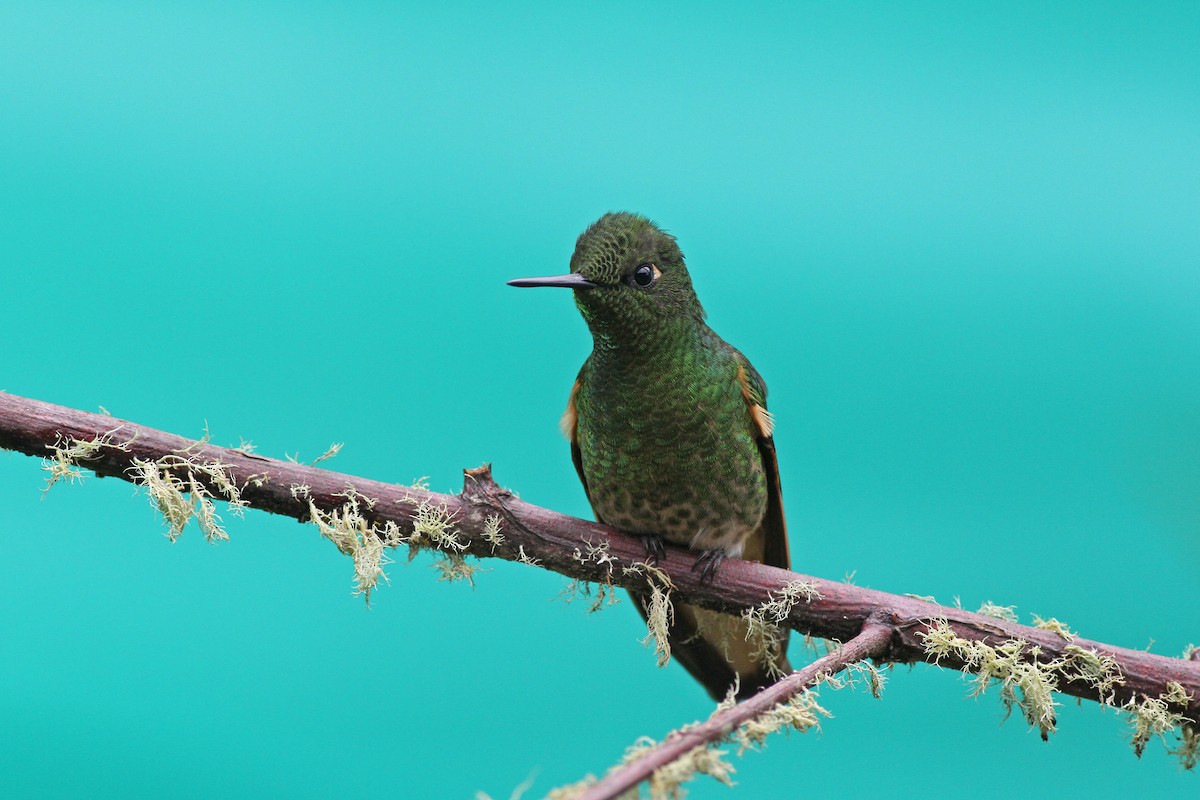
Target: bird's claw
(708,563)
(655,549)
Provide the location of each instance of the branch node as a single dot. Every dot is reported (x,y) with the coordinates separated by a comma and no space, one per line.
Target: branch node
(480,486)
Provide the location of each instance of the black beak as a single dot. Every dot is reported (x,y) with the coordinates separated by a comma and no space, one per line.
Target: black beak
(572,281)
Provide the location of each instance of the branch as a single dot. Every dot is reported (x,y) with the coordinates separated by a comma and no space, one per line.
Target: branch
(488,521)
(871,642)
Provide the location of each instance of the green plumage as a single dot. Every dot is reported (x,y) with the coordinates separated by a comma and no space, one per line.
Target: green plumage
(669,431)
(667,443)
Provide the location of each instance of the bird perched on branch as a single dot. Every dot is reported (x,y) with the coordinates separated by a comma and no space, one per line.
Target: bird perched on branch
(671,436)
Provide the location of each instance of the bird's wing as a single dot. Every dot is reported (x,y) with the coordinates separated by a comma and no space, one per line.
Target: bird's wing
(755,662)
(773,530)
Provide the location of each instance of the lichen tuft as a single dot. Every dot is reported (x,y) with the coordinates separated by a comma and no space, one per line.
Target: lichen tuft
(660,612)
(1024,682)
(990,609)
(1152,716)
(1054,625)
(67,452)
(800,713)
(355,536)
(764,621)
(183,488)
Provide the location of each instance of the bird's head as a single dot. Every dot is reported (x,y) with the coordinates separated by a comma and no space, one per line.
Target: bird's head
(629,278)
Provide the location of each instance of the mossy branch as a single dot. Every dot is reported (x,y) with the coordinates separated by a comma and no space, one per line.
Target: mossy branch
(485,521)
(784,704)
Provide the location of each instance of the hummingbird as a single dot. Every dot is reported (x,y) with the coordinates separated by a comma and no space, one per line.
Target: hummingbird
(671,436)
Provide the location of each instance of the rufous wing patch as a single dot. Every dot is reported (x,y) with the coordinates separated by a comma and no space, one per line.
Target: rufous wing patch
(763,420)
(570,418)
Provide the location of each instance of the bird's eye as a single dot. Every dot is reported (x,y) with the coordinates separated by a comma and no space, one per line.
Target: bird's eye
(645,275)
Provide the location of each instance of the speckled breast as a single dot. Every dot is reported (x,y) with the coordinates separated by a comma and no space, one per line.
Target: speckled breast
(672,455)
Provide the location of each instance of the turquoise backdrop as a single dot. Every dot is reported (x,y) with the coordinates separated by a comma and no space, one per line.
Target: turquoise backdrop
(960,241)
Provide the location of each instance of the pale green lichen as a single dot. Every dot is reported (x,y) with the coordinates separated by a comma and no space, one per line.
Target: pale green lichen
(925,598)
(574,790)
(812,645)
(801,712)
(667,783)
(333,450)
(166,492)
(456,569)
(198,443)
(1006,613)
(67,452)
(764,621)
(779,603)
(1188,751)
(517,793)
(525,558)
(206,511)
(598,554)
(353,533)
(1153,716)
(875,679)
(491,531)
(1189,652)
(1024,682)
(183,488)
(730,699)
(660,615)
(660,612)
(433,527)
(1177,694)
(860,672)
(598,594)
(1028,683)
(1099,671)
(355,536)
(1055,626)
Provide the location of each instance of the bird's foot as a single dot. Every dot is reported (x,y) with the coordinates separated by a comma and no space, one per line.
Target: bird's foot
(655,549)
(708,562)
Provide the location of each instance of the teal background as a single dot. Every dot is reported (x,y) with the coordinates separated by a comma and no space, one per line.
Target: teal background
(960,243)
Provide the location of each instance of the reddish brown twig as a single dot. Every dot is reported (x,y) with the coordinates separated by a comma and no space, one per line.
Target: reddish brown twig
(871,642)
